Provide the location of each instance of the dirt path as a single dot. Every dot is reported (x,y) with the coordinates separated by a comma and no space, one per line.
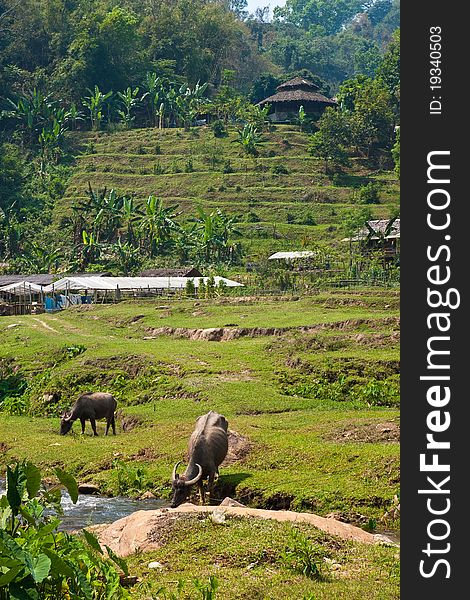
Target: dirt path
(139,531)
(45,325)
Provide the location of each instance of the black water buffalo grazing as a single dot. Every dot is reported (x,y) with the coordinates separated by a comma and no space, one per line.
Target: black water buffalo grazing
(207,449)
(90,407)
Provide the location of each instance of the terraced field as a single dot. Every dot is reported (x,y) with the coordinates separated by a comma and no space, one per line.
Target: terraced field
(282,198)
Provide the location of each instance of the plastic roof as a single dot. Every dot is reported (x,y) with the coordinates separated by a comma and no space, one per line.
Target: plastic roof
(21,288)
(129,283)
(294,254)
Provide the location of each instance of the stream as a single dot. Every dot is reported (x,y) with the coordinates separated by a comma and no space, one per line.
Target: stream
(93,509)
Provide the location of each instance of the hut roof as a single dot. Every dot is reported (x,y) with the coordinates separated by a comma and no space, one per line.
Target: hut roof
(41,278)
(297,89)
(297,96)
(21,288)
(292,255)
(379,226)
(297,82)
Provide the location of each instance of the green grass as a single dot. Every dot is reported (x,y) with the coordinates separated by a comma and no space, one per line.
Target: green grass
(246,557)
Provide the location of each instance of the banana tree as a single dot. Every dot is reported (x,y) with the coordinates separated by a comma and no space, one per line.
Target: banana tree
(155,98)
(129,101)
(95,103)
(89,250)
(102,211)
(185,243)
(108,217)
(42,259)
(127,257)
(302,116)
(249,138)
(51,138)
(130,216)
(188,103)
(10,231)
(32,111)
(215,231)
(73,115)
(157,225)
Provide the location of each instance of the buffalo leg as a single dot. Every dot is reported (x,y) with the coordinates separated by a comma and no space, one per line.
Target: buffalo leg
(210,486)
(82,421)
(200,485)
(108,423)
(93,426)
(113,425)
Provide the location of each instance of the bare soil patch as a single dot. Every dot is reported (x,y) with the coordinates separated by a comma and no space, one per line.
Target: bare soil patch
(130,364)
(224,334)
(386,431)
(239,447)
(128,422)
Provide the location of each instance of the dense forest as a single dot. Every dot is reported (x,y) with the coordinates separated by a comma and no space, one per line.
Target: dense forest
(72,66)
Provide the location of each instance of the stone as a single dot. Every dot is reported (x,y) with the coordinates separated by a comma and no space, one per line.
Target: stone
(148,496)
(230,502)
(88,488)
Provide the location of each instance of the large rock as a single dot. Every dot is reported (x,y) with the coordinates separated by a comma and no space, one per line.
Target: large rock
(141,531)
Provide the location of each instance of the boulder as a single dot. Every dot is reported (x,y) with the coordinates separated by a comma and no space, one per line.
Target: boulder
(140,530)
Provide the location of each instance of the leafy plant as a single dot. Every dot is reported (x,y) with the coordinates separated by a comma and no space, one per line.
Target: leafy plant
(280,169)
(249,138)
(39,562)
(218,128)
(129,101)
(130,480)
(304,557)
(95,104)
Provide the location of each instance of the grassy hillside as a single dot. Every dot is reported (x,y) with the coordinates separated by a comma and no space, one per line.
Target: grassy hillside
(283,199)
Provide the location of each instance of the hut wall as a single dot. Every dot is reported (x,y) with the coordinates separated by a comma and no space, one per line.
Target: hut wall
(286,111)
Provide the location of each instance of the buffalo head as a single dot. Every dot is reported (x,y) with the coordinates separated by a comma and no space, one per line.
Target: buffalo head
(181,486)
(65,424)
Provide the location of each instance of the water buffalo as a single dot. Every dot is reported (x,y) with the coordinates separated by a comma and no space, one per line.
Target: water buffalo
(91,406)
(207,449)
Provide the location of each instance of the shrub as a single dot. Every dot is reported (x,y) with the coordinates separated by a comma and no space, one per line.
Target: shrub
(38,560)
(189,167)
(304,557)
(12,387)
(252,217)
(369,194)
(218,129)
(309,220)
(190,288)
(290,218)
(227,167)
(280,169)
(158,168)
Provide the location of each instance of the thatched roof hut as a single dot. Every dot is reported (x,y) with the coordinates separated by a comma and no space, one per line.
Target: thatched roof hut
(293,94)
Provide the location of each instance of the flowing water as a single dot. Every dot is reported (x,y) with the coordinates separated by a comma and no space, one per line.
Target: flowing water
(91,510)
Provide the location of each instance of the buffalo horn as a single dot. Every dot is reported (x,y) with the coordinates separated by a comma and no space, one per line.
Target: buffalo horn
(173,476)
(198,476)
